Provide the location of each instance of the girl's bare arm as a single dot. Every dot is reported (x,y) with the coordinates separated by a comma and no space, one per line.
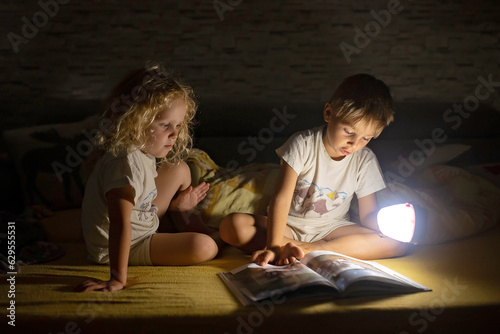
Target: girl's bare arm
(120,205)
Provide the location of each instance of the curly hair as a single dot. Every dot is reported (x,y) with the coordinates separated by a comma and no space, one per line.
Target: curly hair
(135,103)
(363,97)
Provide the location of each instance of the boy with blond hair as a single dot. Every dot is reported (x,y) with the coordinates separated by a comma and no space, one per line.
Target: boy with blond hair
(322,169)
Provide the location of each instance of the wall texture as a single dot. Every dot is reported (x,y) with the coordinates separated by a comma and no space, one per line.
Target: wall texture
(275,52)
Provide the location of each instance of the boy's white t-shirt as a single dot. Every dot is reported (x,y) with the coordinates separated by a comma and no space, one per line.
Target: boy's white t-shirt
(136,169)
(325,187)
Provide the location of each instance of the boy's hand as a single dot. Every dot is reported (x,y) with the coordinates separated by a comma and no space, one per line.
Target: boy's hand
(189,198)
(265,256)
(278,255)
(98,285)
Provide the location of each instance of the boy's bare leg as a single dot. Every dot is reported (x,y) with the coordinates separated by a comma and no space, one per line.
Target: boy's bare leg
(249,234)
(245,232)
(354,240)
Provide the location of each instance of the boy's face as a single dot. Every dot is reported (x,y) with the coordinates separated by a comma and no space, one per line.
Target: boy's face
(342,139)
(165,129)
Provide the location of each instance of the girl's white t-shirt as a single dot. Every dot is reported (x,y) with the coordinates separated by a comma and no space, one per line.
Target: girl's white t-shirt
(136,169)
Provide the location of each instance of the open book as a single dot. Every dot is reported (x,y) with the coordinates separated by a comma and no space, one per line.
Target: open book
(320,274)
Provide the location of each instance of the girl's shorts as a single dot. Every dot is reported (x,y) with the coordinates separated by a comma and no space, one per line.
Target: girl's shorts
(140,254)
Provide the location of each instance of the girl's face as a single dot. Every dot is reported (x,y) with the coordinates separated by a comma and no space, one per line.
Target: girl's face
(341,139)
(165,129)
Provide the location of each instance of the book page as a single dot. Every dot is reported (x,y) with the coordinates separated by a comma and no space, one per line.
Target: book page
(320,274)
(344,271)
(256,282)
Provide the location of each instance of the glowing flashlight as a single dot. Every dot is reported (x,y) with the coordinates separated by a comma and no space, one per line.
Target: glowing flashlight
(402,222)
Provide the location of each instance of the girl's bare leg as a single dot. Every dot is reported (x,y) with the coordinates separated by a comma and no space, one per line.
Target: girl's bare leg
(170,180)
(172,183)
(179,249)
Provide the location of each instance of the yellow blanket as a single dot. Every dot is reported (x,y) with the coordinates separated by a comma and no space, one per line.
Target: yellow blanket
(464,276)
(246,189)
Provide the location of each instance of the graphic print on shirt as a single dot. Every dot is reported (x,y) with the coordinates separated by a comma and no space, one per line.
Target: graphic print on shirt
(311,200)
(147,210)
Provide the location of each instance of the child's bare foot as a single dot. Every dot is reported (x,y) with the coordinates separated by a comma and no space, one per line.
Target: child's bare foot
(290,253)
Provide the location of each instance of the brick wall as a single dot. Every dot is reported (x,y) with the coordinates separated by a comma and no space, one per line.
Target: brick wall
(275,52)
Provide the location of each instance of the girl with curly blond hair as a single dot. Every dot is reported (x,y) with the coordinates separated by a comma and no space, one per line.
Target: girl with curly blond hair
(140,176)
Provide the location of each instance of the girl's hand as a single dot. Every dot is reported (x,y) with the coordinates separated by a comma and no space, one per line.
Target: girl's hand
(98,285)
(190,197)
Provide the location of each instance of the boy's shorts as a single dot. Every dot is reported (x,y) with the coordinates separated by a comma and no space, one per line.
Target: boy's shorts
(315,229)
(140,253)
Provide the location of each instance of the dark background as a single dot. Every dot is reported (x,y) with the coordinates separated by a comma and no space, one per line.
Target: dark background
(58,59)
(272,52)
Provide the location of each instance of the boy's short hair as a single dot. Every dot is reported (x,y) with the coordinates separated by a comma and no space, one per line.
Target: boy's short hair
(363,97)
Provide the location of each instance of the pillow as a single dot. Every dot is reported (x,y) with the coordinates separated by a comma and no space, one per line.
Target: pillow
(246,189)
(53,161)
(458,204)
(401,161)
(490,172)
